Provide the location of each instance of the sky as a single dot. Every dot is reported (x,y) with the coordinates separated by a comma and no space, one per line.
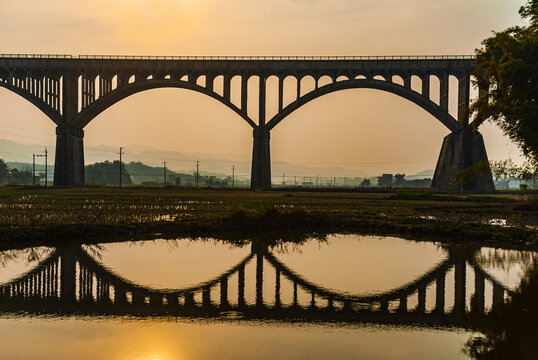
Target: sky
(366,132)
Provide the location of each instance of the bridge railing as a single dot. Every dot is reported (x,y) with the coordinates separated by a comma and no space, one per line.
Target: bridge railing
(35,56)
(241,58)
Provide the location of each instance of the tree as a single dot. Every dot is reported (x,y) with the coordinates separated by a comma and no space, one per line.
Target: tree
(4,171)
(507,74)
(399,180)
(365,183)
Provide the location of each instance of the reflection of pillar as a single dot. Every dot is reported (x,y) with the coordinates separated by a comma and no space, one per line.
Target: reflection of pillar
(384,306)
(277,288)
(478,299)
(224,293)
(206,297)
(440,293)
(403,304)
(189,300)
(67,275)
(295,294)
(421,307)
(498,295)
(259,279)
(241,286)
(459,286)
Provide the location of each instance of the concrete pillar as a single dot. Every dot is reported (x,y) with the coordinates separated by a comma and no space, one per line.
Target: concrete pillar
(443,91)
(464,89)
(280,93)
(69,159)
(463,150)
(261,159)
(426,86)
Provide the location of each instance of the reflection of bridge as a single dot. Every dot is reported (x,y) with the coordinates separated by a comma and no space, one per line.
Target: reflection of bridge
(72,91)
(70,281)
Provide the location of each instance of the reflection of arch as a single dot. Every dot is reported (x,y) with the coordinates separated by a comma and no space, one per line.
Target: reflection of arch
(71,281)
(439,113)
(36,101)
(101,104)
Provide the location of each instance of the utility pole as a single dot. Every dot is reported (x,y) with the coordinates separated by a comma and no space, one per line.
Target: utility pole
(33,170)
(164,162)
(46,170)
(233,176)
(197,173)
(317,180)
(283,179)
(120,153)
(334,183)
(295,180)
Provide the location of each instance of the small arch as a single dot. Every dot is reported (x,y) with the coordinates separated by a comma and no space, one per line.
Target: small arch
(435,85)
(235,90)
(168,77)
(397,79)
(218,85)
(253,101)
(416,84)
(342,78)
(201,81)
(324,80)
(290,89)
(114,82)
(379,77)
(453,93)
(308,84)
(132,79)
(360,77)
(271,84)
(184,78)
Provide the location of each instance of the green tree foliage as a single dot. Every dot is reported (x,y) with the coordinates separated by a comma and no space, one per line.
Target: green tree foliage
(19,177)
(506,170)
(3,168)
(107,173)
(507,73)
(365,183)
(399,180)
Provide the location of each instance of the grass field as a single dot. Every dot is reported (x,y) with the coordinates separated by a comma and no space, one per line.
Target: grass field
(37,215)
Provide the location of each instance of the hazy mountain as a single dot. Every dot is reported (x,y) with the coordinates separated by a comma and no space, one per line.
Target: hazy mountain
(209,164)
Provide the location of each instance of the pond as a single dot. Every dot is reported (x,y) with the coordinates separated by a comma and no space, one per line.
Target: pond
(339,297)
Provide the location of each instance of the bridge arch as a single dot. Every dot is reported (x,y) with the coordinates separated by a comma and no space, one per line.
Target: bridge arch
(55,116)
(435,110)
(93,110)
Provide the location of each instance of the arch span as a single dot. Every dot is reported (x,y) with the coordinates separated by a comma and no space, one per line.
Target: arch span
(91,111)
(55,116)
(440,114)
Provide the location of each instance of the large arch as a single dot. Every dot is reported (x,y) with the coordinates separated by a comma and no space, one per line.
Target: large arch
(442,115)
(37,102)
(89,113)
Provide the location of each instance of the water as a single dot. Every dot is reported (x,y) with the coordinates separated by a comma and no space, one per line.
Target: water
(342,297)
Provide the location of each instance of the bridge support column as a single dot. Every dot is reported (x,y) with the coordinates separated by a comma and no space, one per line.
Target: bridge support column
(463,151)
(260,178)
(69,159)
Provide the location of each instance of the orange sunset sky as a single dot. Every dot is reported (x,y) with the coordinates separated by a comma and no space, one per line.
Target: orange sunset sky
(358,130)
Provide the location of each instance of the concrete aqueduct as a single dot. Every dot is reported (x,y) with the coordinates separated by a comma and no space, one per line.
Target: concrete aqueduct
(72,91)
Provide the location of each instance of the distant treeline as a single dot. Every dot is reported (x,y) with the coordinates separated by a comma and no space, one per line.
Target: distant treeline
(17,176)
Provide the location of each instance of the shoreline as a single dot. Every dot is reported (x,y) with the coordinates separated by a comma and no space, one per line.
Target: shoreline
(53,216)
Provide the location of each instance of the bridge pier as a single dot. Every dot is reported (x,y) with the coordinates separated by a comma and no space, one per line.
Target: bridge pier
(260,178)
(69,159)
(463,151)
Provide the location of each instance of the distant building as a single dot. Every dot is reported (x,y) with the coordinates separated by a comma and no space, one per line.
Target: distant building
(384,181)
